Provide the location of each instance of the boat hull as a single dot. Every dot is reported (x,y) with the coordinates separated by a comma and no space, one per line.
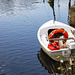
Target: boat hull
(63,53)
(54,55)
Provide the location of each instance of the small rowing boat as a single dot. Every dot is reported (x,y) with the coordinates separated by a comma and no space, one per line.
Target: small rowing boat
(57,39)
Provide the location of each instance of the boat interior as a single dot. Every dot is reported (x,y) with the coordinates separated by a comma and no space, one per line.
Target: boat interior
(57,43)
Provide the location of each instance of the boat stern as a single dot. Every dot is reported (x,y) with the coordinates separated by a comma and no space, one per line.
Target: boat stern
(63,53)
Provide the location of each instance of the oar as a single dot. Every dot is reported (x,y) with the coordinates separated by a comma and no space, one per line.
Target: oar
(55,39)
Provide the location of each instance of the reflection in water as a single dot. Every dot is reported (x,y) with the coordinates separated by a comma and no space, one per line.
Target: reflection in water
(11,6)
(48,63)
(72,15)
(43,1)
(19,22)
(6,5)
(58,4)
(69,4)
(51,3)
(52,66)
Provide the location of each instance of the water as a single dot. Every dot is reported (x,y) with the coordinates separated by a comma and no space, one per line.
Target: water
(19,23)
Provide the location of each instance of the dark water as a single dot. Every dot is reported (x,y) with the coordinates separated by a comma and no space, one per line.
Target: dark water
(19,23)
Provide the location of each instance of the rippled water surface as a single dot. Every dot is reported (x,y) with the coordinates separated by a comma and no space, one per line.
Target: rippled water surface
(19,23)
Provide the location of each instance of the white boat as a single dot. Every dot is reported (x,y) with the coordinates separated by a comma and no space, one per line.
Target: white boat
(65,49)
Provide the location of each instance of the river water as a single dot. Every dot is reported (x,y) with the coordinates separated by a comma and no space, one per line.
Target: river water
(19,23)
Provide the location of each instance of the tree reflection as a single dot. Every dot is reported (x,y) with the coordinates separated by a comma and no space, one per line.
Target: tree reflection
(11,6)
(6,5)
(43,1)
(51,3)
(72,15)
(69,4)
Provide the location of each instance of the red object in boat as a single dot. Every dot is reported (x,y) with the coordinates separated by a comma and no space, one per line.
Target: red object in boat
(58,31)
(53,46)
